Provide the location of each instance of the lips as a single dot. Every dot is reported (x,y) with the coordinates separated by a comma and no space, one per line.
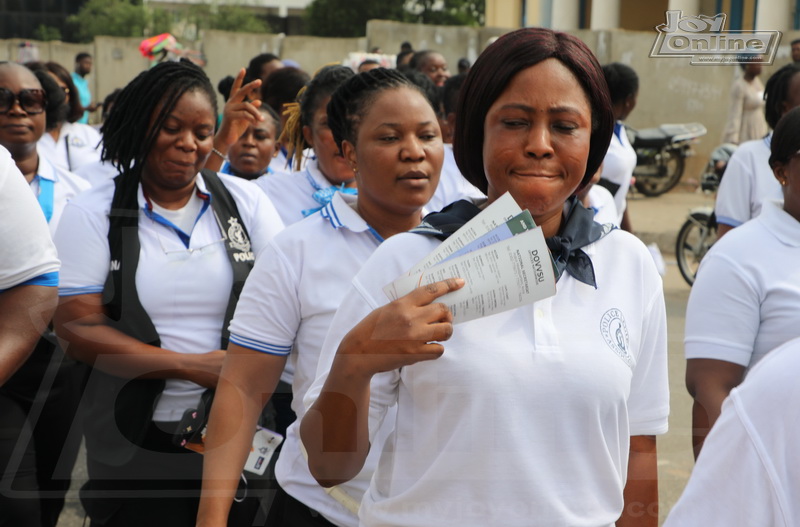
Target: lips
(414,174)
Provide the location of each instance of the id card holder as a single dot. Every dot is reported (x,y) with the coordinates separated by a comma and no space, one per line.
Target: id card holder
(265,442)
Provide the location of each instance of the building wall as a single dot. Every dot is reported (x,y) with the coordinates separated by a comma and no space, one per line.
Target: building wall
(671,91)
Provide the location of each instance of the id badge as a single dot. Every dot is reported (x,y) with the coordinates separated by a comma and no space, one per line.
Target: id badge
(265,442)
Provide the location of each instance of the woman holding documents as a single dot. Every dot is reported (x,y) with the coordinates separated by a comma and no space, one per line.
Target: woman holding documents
(390,137)
(543,414)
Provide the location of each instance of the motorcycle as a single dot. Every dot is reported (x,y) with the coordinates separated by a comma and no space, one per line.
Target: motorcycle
(699,232)
(660,155)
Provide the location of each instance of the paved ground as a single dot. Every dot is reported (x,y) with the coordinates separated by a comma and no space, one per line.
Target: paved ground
(655,220)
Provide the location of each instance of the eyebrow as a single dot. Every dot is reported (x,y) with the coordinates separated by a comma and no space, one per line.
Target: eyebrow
(173,116)
(527,108)
(399,125)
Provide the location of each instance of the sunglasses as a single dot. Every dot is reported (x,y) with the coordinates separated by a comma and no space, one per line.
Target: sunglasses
(32,101)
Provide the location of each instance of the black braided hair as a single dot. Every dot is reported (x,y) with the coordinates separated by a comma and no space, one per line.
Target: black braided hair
(141,109)
(350,101)
(622,81)
(776,92)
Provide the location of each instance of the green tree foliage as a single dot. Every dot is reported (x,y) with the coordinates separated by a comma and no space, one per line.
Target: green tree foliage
(447,12)
(348,18)
(228,18)
(118,18)
(46,33)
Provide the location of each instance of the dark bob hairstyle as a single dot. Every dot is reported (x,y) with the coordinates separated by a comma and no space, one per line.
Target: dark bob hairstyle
(786,139)
(493,71)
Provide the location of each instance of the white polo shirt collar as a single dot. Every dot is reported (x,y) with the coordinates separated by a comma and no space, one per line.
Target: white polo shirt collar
(780,223)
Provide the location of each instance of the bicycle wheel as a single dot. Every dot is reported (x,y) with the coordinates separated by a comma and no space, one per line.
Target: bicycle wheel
(661,175)
(695,238)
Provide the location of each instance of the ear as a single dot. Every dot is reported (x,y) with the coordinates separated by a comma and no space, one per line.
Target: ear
(779,170)
(349,153)
(307,134)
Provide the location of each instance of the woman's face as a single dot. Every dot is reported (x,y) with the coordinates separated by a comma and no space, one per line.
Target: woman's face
(251,154)
(435,67)
(536,140)
(17,126)
(319,136)
(398,154)
(183,144)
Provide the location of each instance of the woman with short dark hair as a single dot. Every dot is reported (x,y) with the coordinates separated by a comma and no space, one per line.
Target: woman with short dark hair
(543,414)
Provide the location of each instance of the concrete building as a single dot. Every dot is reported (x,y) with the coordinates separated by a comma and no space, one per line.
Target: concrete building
(636,15)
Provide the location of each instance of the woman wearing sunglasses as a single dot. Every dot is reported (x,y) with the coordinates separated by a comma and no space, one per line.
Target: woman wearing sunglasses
(24,99)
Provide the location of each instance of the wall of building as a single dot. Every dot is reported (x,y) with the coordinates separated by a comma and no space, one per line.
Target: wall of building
(671,90)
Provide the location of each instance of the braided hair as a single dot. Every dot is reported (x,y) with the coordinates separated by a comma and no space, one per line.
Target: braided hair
(350,101)
(301,113)
(141,109)
(776,92)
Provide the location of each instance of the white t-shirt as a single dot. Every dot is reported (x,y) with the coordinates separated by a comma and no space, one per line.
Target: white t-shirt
(184,292)
(97,172)
(287,306)
(27,253)
(292,192)
(65,186)
(78,145)
(747,473)
(529,412)
(618,167)
(452,185)
(748,182)
(746,298)
(601,202)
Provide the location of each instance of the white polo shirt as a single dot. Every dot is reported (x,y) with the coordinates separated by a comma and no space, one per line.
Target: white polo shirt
(78,145)
(618,166)
(601,202)
(185,292)
(528,414)
(287,306)
(27,252)
(747,473)
(748,182)
(97,172)
(746,298)
(292,193)
(59,186)
(452,185)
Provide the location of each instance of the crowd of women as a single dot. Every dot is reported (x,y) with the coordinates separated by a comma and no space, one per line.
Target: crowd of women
(229,266)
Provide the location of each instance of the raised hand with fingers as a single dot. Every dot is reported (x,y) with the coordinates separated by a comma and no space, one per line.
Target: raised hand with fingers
(239,112)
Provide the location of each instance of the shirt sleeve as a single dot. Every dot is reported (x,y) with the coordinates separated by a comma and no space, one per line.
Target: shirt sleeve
(723,313)
(730,484)
(648,403)
(27,251)
(82,242)
(267,315)
(735,190)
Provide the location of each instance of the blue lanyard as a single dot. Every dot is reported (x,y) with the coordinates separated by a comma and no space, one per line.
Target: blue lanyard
(45,197)
(158,218)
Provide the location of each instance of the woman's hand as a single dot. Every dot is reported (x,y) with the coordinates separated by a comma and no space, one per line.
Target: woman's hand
(239,112)
(402,332)
(335,428)
(204,368)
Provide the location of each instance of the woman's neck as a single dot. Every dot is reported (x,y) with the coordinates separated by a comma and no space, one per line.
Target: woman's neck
(170,199)
(385,223)
(26,158)
(55,133)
